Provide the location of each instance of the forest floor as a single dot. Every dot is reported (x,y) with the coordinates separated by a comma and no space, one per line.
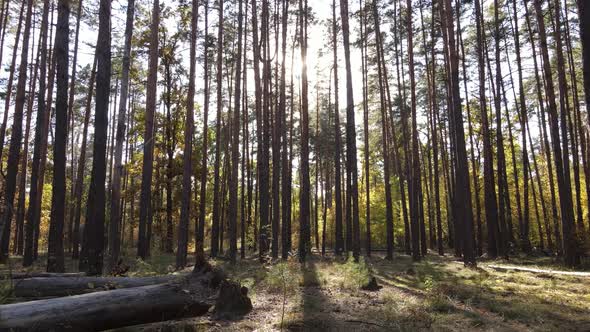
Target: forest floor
(438,293)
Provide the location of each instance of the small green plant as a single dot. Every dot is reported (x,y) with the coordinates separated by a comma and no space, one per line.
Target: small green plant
(440,303)
(143,268)
(355,275)
(6,286)
(281,277)
(429,283)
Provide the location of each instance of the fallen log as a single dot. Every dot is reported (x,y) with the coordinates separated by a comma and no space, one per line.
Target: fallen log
(45,275)
(58,286)
(192,295)
(505,268)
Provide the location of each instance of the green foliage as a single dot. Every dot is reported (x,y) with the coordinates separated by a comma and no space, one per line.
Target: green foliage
(282,277)
(5,291)
(355,275)
(157,264)
(427,276)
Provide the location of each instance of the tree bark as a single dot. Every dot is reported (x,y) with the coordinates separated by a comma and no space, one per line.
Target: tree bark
(58,286)
(462,187)
(276,153)
(10,81)
(235,151)
(339,244)
(95,211)
(190,296)
(15,138)
(216,192)
(55,255)
(364,56)
(34,193)
(200,232)
(524,227)
(385,135)
(115,217)
(304,197)
(79,186)
(584,18)
(71,119)
(543,134)
(20,212)
(145,216)
(351,158)
(416,185)
(285,167)
(561,160)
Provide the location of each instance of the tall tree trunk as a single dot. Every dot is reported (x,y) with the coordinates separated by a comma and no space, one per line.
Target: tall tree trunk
(474,165)
(145,216)
(490,201)
(55,255)
(435,144)
(339,245)
(44,144)
(245,141)
(428,169)
(317,162)
(546,217)
(170,143)
(11,76)
(20,212)
(285,167)
(570,242)
(265,113)
(403,173)
(524,226)
(15,140)
(304,196)
(200,232)
(462,187)
(578,134)
(235,152)
(584,18)
(543,133)
(503,193)
(260,238)
(215,239)
(351,159)
(561,162)
(182,248)
(72,122)
(34,193)
(385,135)
(3,24)
(276,159)
(95,212)
(115,217)
(111,137)
(416,185)
(363,46)
(79,186)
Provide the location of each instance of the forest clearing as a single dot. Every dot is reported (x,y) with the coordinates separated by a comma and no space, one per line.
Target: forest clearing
(329,165)
(326,294)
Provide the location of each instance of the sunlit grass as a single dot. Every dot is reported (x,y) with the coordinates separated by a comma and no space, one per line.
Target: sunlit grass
(438,293)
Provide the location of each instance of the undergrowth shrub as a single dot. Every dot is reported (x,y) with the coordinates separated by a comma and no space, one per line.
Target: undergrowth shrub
(143,268)
(282,277)
(354,275)
(5,291)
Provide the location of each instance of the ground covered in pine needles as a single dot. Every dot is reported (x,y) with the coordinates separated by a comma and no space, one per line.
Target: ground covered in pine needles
(438,293)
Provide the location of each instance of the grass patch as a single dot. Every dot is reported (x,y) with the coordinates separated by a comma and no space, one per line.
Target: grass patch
(281,277)
(437,293)
(354,275)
